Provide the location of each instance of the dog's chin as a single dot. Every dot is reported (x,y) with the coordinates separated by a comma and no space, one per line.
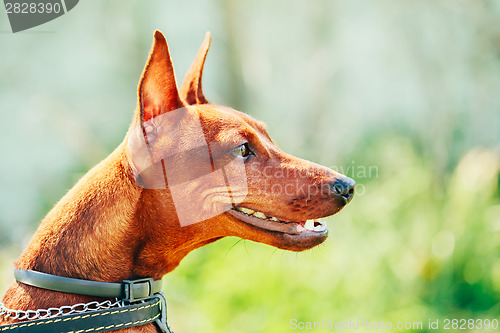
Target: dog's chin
(286,235)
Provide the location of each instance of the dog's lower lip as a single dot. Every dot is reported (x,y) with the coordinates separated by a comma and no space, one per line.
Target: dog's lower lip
(291,228)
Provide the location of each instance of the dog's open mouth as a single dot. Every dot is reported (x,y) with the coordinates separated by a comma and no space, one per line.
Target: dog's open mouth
(261,220)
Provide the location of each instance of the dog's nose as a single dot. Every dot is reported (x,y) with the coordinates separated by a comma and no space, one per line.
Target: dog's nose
(344,187)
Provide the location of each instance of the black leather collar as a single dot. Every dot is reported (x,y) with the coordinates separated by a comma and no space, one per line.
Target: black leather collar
(143,303)
(128,290)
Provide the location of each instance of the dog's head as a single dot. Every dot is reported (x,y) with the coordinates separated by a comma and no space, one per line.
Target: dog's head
(220,169)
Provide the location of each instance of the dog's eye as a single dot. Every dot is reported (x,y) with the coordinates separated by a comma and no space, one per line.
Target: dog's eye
(243,150)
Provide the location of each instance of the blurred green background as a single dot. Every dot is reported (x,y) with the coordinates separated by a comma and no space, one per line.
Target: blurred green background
(403,96)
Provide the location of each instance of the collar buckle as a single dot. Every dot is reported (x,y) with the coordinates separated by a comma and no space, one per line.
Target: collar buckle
(137,289)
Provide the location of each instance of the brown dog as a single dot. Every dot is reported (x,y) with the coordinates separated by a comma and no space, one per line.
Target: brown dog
(187,174)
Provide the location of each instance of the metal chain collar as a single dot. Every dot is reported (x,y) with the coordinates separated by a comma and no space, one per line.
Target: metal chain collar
(55,312)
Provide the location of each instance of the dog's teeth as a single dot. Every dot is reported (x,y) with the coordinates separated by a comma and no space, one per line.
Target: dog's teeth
(246,210)
(309,225)
(260,215)
(274,219)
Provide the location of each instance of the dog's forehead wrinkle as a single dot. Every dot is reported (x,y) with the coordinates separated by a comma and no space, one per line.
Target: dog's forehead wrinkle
(224,124)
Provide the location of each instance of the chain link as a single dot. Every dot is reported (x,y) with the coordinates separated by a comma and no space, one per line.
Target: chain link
(55,312)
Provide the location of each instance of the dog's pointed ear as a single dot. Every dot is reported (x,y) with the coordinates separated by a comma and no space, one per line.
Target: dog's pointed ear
(157,88)
(191,90)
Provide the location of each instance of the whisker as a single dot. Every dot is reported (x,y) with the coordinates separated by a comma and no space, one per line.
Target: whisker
(232,246)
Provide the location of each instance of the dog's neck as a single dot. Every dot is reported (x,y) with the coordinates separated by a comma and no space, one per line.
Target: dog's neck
(109,229)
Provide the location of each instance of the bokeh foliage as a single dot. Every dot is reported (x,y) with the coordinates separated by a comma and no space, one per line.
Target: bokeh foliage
(401,95)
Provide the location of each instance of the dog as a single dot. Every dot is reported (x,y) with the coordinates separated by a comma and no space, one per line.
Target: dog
(188,173)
